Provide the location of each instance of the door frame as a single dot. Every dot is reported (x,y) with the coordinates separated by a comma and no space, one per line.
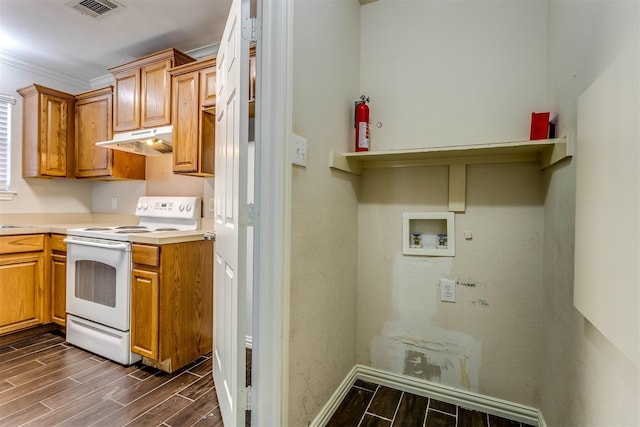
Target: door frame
(272,261)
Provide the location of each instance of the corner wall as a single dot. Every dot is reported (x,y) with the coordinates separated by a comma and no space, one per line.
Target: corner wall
(586,380)
(322,332)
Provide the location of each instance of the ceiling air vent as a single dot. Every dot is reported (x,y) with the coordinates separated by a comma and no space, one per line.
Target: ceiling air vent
(94,8)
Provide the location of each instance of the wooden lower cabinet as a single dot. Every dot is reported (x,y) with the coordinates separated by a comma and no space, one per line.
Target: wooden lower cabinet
(21,282)
(145,308)
(58,279)
(172,303)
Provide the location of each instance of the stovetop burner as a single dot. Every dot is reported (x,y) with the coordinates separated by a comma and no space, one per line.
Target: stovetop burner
(156,214)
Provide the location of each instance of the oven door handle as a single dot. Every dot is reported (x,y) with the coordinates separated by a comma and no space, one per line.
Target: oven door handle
(116,246)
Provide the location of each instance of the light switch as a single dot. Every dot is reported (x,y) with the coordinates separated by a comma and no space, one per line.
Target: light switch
(299,150)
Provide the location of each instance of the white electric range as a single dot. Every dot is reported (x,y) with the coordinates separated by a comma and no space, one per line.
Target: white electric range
(99,274)
(155,214)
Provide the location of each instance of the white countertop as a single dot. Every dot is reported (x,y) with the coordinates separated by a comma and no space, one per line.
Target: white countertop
(153,238)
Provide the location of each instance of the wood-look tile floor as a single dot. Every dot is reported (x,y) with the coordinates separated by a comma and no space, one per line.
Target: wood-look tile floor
(45,381)
(372,405)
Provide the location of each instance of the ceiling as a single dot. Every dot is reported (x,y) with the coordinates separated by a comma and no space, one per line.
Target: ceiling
(50,34)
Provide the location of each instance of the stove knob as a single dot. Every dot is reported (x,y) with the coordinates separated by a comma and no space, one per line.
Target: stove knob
(145,206)
(181,207)
(139,206)
(188,208)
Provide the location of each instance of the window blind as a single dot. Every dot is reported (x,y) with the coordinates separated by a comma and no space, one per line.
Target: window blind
(5,141)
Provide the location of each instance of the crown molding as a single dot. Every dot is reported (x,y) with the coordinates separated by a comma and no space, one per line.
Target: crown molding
(83,85)
(7,98)
(201,52)
(19,63)
(102,81)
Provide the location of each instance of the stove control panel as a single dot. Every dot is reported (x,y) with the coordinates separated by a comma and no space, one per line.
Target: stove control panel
(168,207)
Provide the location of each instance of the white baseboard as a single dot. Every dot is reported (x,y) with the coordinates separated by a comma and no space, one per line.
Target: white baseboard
(464,398)
(334,401)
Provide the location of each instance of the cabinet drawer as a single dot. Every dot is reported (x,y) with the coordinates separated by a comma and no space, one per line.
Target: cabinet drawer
(147,255)
(57,243)
(21,243)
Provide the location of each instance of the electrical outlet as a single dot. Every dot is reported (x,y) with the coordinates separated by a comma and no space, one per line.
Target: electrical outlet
(299,150)
(211,204)
(114,203)
(447,290)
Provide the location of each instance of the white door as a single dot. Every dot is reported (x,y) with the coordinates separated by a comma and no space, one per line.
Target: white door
(230,255)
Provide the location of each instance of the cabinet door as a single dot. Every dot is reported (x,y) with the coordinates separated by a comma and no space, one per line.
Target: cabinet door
(54,139)
(208,87)
(207,141)
(93,124)
(144,313)
(156,94)
(59,289)
(185,128)
(21,291)
(127,101)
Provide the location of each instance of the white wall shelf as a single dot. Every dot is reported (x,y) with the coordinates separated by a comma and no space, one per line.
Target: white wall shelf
(546,152)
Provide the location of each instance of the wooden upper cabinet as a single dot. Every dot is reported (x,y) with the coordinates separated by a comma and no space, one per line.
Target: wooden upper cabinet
(193,109)
(143,90)
(47,133)
(186,128)
(156,99)
(208,87)
(93,124)
(127,101)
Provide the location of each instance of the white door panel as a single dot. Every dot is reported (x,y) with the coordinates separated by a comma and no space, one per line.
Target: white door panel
(230,277)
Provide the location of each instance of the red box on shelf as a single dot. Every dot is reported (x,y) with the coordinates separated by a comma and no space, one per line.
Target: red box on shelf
(539,126)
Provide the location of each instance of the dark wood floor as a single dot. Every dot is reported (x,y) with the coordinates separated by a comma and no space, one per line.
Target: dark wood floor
(372,405)
(45,382)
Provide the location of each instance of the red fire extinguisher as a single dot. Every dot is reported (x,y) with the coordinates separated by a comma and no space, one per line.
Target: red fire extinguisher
(362,124)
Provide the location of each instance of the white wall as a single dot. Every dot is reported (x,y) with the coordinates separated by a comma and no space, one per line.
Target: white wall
(452,72)
(38,195)
(489,341)
(324,207)
(586,380)
(443,73)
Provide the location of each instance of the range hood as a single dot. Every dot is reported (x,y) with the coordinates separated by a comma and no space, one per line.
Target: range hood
(148,142)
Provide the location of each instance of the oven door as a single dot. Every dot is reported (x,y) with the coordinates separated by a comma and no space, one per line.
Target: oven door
(98,280)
